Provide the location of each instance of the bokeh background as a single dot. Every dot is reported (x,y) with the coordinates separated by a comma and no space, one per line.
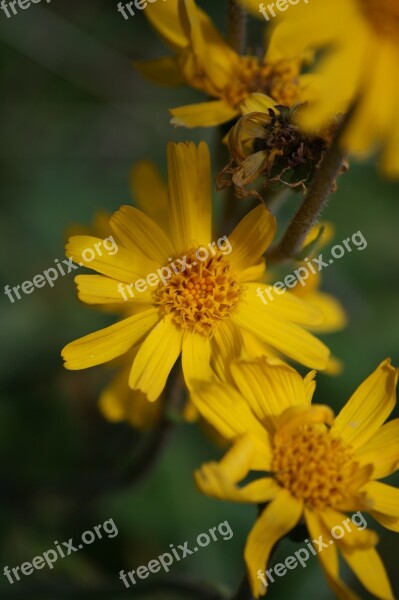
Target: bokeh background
(74,118)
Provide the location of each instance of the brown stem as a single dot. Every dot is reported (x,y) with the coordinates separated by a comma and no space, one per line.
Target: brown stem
(237,26)
(316,200)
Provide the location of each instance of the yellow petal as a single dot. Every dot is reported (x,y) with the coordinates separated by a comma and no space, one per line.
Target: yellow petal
(119,403)
(196,358)
(252,236)
(253,273)
(106,344)
(269,389)
(310,385)
(381,450)
(300,28)
(333,316)
(164,17)
(215,57)
(369,406)
(370,570)
(276,520)
(237,462)
(164,71)
(190,195)
(150,191)
(391,523)
(285,306)
(296,416)
(227,346)
(357,138)
(156,358)
(335,98)
(328,556)
(257,103)
(123,265)
(326,237)
(353,538)
(287,338)
(213,481)
(384,498)
(335,366)
(96,289)
(203,114)
(229,413)
(139,232)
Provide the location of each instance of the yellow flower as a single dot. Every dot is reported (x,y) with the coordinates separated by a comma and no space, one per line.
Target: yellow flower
(319,467)
(203,306)
(204,60)
(361,62)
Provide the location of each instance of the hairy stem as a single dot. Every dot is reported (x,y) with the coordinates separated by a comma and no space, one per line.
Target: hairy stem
(315,201)
(237,26)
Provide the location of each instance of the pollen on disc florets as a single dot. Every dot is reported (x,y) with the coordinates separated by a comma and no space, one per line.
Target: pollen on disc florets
(200,296)
(383,16)
(313,465)
(279,80)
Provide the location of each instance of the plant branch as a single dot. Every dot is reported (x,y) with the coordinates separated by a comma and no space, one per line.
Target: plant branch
(237,26)
(315,201)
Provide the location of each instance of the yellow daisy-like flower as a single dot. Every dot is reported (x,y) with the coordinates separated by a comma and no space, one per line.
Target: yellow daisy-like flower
(318,466)
(204,60)
(361,38)
(203,306)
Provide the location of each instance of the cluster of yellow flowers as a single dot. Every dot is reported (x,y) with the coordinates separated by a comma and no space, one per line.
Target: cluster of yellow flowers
(235,351)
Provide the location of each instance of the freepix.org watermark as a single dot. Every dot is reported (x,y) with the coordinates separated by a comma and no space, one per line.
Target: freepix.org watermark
(49,276)
(127,9)
(63,550)
(314,547)
(281,5)
(164,561)
(314,265)
(175,266)
(10,8)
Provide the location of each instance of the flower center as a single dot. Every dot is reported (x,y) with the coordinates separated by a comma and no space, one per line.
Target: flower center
(278,80)
(313,465)
(201,294)
(383,15)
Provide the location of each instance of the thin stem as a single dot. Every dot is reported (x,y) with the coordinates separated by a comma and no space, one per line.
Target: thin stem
(237,26)
(316,200)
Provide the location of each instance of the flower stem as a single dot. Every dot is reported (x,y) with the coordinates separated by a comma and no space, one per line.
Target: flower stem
(237,26)
(315,201)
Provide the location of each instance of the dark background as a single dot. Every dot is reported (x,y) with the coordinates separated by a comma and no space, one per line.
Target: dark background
(74,118)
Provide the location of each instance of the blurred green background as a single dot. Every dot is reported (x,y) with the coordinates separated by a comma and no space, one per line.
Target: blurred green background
(74,118)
